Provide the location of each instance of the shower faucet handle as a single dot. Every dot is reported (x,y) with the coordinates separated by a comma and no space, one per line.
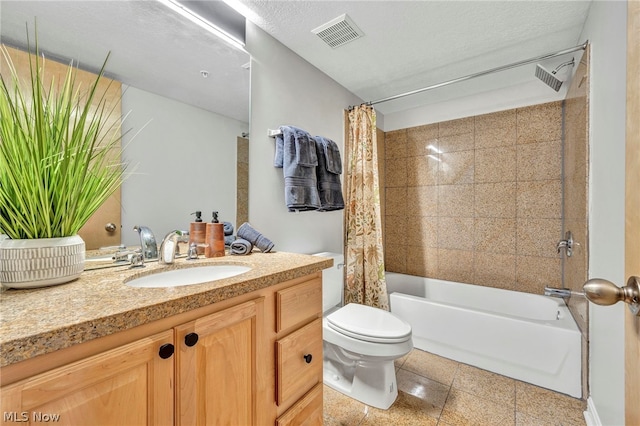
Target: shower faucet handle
(566,244)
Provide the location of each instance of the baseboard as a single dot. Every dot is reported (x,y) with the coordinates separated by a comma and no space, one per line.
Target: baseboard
(591,415)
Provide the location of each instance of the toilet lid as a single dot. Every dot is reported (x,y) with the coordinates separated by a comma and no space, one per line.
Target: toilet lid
(369,324)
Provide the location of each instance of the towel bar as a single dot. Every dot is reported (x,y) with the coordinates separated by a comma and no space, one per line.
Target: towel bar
(273,133)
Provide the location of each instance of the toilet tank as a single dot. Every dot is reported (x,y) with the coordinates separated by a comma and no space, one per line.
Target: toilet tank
(332,281)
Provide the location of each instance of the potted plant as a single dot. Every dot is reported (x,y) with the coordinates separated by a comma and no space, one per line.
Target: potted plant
(57,166)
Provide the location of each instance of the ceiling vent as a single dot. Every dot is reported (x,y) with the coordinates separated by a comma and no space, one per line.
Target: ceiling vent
(338,31)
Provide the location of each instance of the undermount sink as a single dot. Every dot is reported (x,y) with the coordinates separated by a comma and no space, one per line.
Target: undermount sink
(188,276)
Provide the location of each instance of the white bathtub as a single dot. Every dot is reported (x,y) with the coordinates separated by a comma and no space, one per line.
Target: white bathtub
(525,336)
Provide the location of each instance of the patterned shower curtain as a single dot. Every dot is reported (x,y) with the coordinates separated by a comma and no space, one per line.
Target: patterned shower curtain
(364,257)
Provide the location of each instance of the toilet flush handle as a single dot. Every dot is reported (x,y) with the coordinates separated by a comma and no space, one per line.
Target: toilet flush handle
(308,358)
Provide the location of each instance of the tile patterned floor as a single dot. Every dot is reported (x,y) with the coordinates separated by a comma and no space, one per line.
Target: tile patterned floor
(438,391)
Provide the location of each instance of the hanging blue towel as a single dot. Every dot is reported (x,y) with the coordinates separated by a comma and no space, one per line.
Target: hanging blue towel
(328,174)
(299,160)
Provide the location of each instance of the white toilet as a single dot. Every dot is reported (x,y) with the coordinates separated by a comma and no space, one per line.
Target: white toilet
(360,343)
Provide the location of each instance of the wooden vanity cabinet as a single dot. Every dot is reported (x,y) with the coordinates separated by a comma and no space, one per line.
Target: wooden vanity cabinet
(128,385)
(299,354)
(252,360)
(217,367)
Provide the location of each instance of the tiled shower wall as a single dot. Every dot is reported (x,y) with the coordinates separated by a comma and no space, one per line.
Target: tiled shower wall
(477,200)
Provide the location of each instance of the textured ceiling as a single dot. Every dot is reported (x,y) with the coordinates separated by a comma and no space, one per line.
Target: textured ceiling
(407,45)
(412,44)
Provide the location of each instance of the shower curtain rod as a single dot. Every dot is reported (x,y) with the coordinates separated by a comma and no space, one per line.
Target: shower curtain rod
(481,73)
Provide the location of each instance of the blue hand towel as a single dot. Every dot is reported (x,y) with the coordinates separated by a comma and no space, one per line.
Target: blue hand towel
(240,246)
(328,175)
(228,239)
(299,169)
(247,232)
(228,228)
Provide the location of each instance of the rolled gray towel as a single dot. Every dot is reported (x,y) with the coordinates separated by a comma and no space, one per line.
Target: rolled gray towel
(248,233)
(228,239)
(228,228)
(241,246)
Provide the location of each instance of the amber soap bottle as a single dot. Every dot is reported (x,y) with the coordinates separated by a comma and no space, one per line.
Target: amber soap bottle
(214,238)
(197,232)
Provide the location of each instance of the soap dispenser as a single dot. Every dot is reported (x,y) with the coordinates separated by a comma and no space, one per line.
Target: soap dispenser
(214,238)
(197,232)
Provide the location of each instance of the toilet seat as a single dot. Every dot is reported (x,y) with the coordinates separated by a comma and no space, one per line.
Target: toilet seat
(369,324)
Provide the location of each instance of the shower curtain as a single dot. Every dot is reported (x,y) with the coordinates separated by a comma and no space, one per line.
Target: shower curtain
(364,258)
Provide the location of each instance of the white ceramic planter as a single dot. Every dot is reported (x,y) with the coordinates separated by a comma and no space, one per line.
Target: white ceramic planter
(41,262)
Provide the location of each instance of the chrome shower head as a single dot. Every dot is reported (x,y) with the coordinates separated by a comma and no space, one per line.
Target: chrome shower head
(549,78)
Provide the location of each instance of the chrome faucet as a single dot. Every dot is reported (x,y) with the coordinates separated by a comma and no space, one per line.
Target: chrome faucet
(147,242)
(169,246)
(563,293)
(566,244)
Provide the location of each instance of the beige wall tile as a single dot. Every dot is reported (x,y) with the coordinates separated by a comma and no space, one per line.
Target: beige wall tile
(395,172)
(539,123)
(457,142)
(395,230)
(539,199)
(495,235)
(496,197)
(422,261)
(421,170)
(533,273)
(496,129)
(495,270)
(495,164)
(456,127)
(422,201)
(396,201)
(395,258)
(419,138)
(540,161)
(455,265)
(455,200)
(456,168)
(538,237)
(456,233)
(495,200)
(395,144)
(419,231)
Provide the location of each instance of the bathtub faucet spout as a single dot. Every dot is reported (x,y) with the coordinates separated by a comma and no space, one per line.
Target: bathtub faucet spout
(563,293)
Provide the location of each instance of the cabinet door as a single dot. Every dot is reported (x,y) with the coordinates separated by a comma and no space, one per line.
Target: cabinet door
(306,412)
(217,367)
(299,362)
(129,385)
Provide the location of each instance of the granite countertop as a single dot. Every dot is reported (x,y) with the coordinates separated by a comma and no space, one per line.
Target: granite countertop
(38,321)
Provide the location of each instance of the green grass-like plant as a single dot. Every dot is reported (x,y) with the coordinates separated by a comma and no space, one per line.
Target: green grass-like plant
(56,153)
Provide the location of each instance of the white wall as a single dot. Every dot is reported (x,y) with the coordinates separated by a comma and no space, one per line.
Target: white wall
(606,30)
(285,89)
(186,161)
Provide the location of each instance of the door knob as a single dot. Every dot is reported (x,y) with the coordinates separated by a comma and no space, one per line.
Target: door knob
(110,227)
(603,292)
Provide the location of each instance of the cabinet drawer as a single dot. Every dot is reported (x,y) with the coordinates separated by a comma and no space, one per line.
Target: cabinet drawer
(299,361)
(298,303)
(306,412)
